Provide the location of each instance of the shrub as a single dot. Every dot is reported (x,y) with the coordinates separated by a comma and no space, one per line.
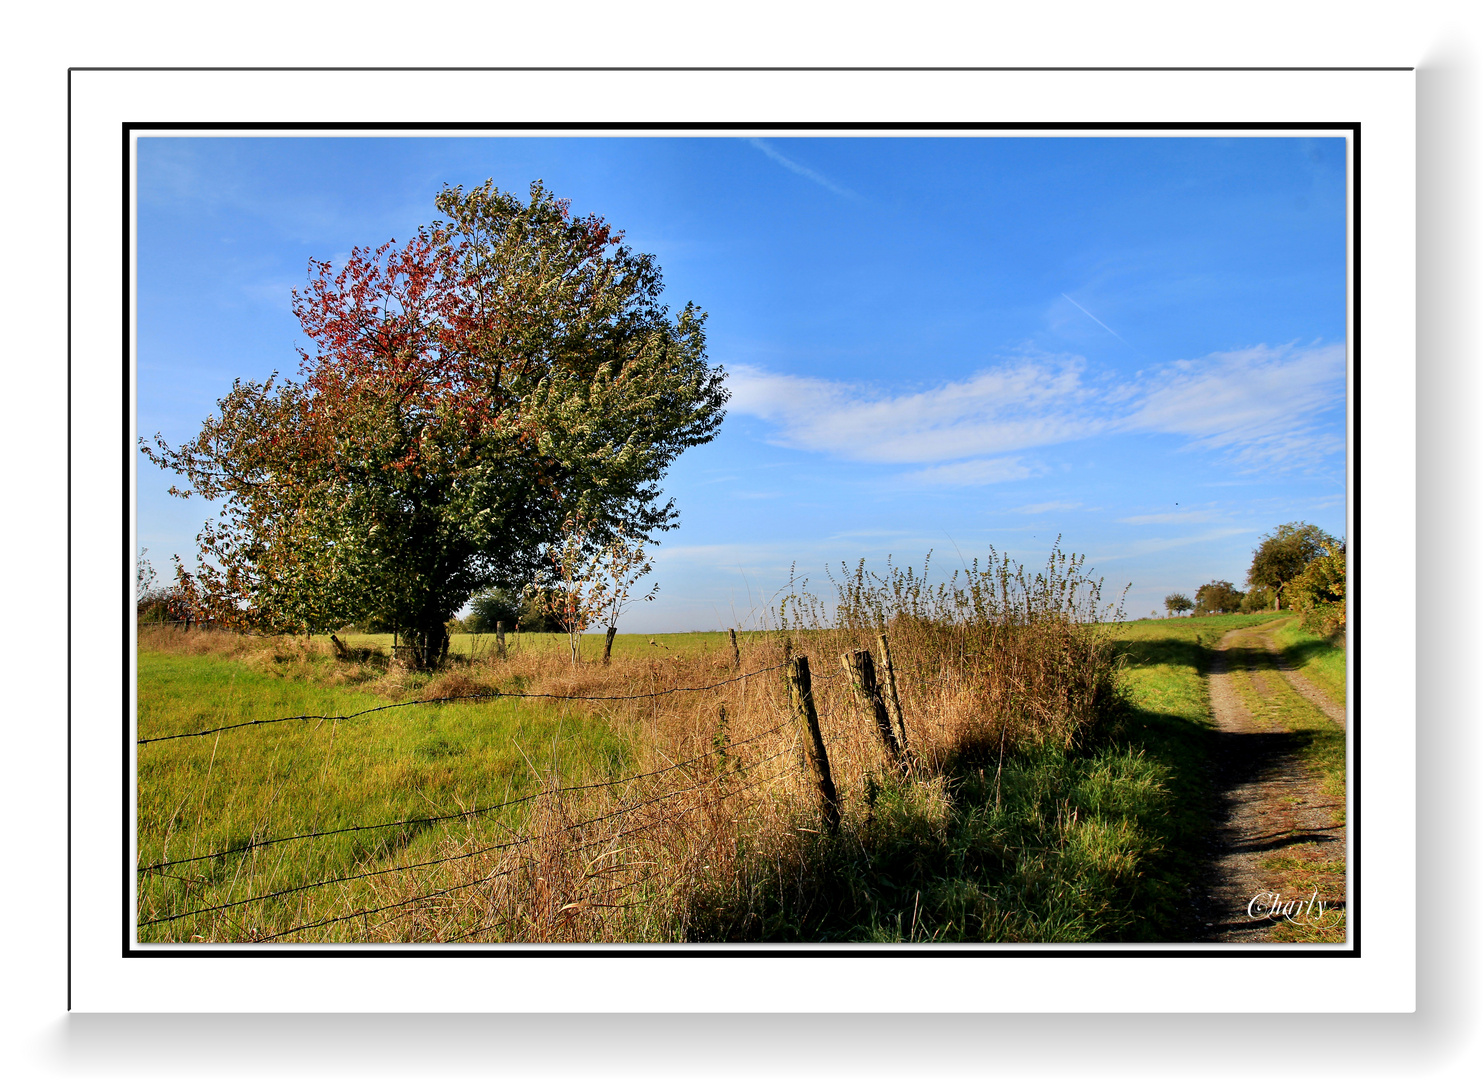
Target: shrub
(1318,593)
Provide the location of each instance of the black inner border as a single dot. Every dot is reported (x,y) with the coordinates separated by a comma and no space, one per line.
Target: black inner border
(1110,950)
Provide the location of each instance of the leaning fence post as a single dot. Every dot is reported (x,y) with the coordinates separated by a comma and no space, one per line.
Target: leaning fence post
(800,688)
(861,669)
(888,691)
(735,652)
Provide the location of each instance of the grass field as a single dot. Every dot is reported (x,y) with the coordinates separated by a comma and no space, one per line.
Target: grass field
(1322,660)
(1098,840)
(232,789)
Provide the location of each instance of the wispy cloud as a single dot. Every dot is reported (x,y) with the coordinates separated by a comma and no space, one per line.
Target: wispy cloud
(1266,407)
(1032,402)
(802,170)
(1176,517)
(1262,404)
(1154,545)
(972,473)
(1045,508)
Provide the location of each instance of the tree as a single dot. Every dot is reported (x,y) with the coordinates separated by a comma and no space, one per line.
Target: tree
(155,602)
(571,592)
(144,578)
(1283,554)
(1318,593)
(1257,598)
(1176,603)
(623,562)
(468,392)
(492,607)
(151,601)
(586,587)
(1217,597)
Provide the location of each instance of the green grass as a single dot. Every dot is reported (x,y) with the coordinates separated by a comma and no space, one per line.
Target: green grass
(1323,661)
(1053,849)
(1101,843)
(202,795)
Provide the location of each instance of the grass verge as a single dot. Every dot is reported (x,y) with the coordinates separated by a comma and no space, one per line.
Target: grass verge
(1322,660)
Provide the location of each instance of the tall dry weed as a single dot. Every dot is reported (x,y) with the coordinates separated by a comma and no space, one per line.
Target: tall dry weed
(716,811)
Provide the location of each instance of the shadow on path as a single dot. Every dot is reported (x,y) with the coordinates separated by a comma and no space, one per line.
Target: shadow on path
(1267,802)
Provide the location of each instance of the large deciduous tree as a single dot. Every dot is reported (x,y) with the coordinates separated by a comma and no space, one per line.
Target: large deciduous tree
(1283,554)
(466,393)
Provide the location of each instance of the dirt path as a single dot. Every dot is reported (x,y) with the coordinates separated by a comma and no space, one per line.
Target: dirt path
(1330,708)
(1279,835)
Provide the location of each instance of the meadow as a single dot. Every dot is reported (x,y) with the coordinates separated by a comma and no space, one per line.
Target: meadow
(1054,789)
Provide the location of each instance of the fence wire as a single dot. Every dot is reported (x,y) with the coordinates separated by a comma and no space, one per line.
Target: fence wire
(521,841)
(477,811)
(485,878)
(489,696)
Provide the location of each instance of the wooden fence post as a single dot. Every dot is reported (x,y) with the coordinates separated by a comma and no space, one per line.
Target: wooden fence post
(861,669)
(735,652)
(800,689)
(499,635)
(888,691)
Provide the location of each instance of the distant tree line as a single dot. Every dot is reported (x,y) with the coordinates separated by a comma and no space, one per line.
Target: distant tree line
(1296,565)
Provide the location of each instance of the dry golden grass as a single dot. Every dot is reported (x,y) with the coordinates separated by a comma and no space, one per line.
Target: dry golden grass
(716,805)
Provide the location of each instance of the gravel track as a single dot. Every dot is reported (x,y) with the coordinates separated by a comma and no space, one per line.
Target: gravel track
(1268,799)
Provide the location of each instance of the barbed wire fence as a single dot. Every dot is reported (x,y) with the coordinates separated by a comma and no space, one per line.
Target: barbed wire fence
(801,722)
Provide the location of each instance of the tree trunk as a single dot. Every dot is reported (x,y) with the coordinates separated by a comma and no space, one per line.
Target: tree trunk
(607,645)
(430,646)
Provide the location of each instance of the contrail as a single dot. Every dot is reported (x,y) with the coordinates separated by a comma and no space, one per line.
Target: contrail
(1103,325)
(801,170)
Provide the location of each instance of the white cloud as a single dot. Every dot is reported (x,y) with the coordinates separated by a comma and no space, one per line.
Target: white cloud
(1266,407)
(1259,403)
(971,473)
(1031,402)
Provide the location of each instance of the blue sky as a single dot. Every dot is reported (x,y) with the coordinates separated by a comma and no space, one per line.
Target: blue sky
(933,343)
